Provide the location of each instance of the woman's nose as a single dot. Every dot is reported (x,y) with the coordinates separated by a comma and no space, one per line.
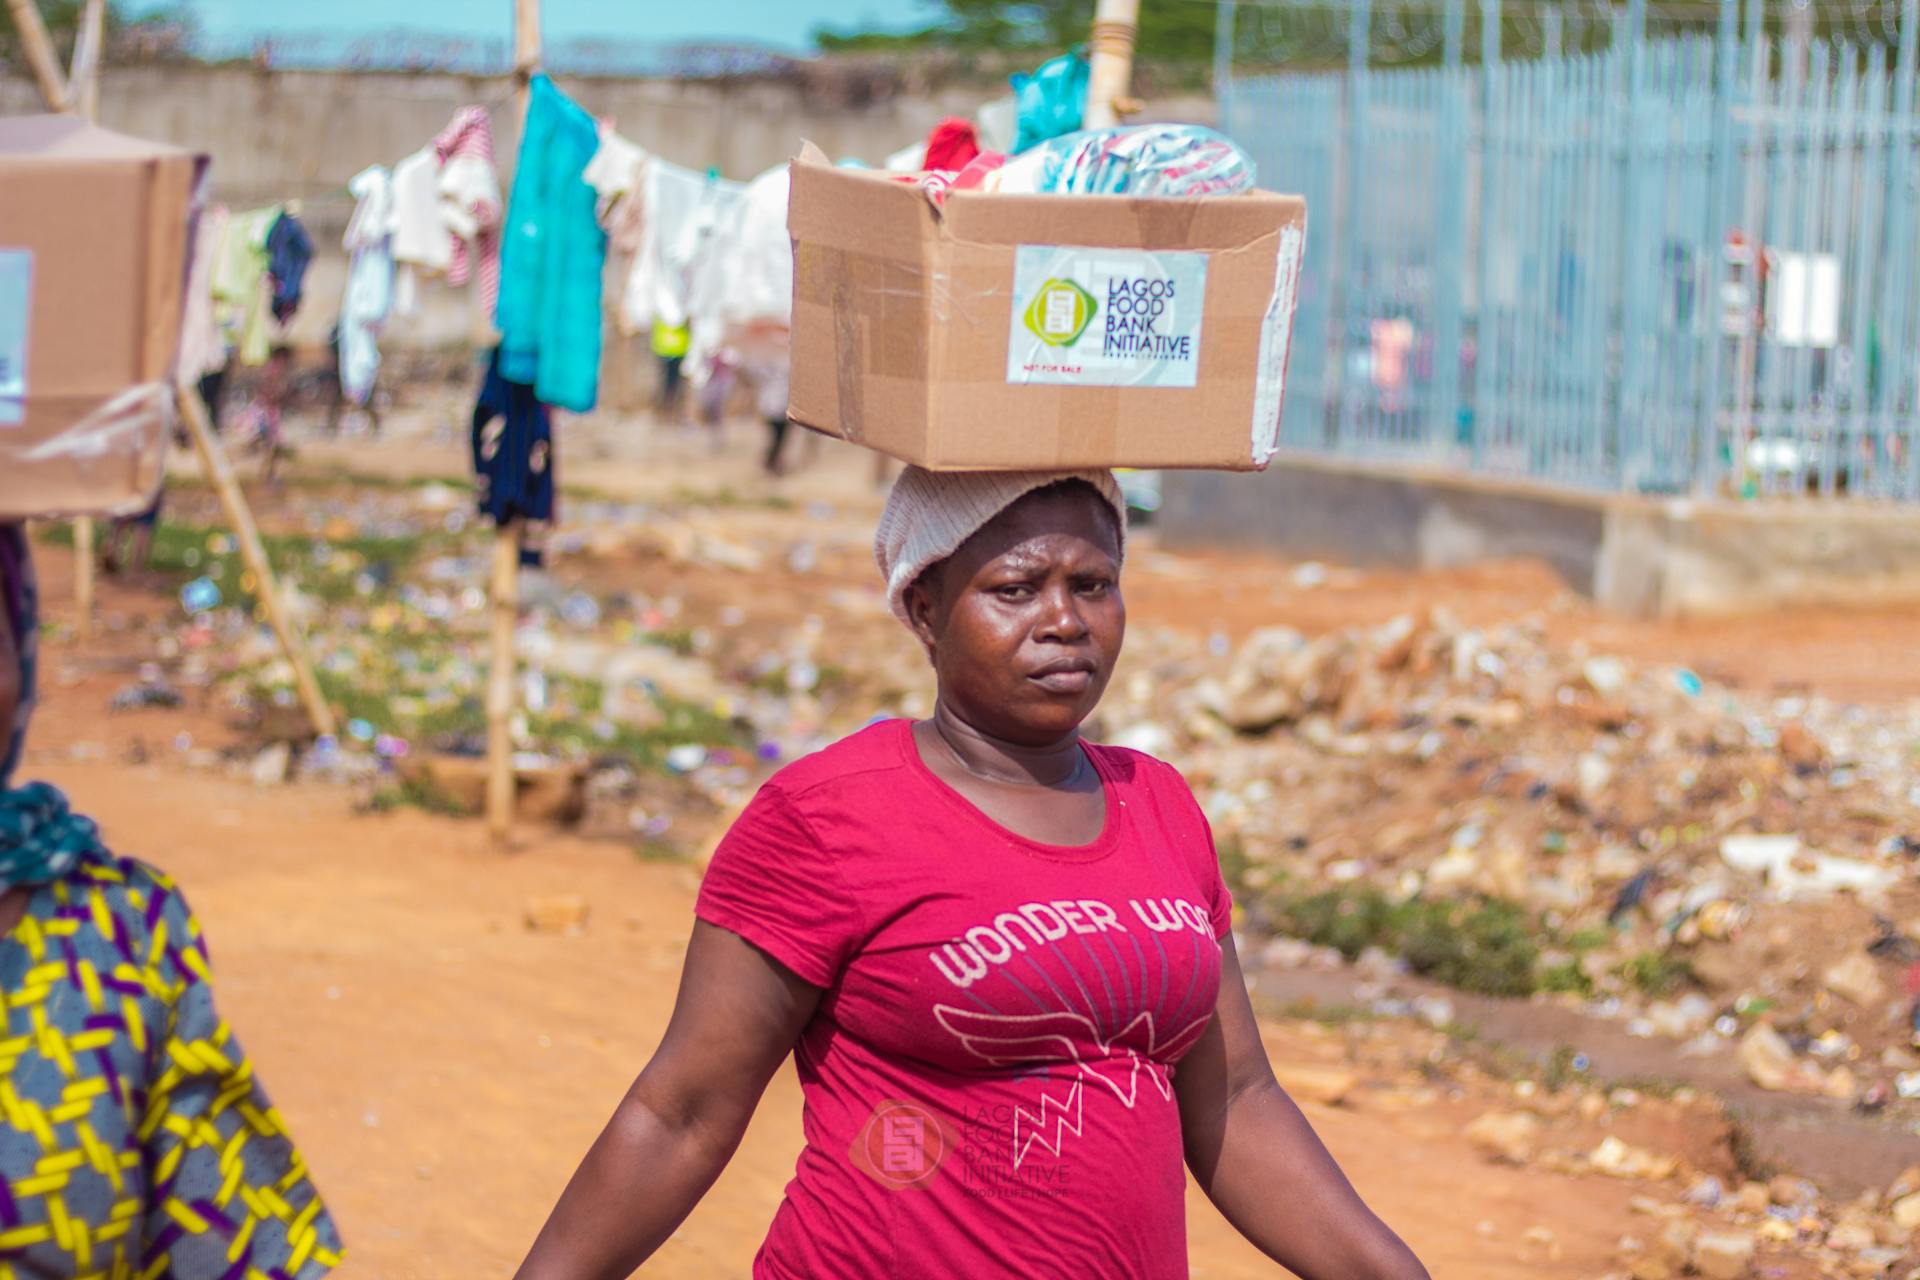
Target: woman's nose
(1061,618)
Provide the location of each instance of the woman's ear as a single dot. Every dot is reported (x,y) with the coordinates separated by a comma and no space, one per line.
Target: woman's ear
(921,614)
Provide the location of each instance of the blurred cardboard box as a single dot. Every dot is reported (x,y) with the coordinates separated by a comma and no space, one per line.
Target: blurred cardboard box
(93,258)
(1003,332)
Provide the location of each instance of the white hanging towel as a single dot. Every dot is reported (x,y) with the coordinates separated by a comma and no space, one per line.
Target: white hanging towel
(741,280)
(420,234)
(681,208)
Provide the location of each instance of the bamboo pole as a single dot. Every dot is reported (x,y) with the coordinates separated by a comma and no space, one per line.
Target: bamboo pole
(505,585)
(83,80)
(213,460)
(85,551)
(38,46)
(83,96)
(505,591)
(1110,69)
(526,52)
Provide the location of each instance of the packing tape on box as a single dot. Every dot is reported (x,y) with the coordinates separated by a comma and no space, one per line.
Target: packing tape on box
(108,463)
(1276,339)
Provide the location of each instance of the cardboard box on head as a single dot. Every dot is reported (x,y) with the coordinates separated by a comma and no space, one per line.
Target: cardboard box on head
(1004,332)
(93,259)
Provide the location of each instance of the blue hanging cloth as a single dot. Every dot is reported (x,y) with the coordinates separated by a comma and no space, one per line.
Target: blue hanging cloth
(1050,101)
(513,457)
(552,256)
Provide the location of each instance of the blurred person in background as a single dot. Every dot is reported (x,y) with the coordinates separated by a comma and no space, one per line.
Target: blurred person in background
(135,1139)
(722,372)
(770,396)
(670,342)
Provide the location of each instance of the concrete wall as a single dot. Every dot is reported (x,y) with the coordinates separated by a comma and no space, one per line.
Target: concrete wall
(278,135)
(1651,557)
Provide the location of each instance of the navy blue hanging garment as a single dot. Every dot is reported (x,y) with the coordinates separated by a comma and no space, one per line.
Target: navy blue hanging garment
(289,250)
(513,457)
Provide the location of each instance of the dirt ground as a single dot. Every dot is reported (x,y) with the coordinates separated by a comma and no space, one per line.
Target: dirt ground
(445,1067)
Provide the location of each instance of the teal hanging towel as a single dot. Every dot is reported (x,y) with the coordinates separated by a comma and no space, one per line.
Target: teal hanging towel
(552,257)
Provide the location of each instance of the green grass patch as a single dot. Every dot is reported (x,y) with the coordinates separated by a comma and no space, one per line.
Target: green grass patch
(1482,945)
(723,499)
(416,793)
(654,849)
(310,477)
(1656,973)
(326,568)
(1234,865)
(1567,976)
(644,747)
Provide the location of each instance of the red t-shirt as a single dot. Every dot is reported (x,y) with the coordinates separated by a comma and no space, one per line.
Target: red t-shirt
(988,1080)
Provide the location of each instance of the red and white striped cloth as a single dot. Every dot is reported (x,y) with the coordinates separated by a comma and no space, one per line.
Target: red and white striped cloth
(470,199)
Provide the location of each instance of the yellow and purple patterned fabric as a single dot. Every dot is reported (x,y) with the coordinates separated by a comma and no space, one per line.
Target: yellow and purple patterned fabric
(134,1139)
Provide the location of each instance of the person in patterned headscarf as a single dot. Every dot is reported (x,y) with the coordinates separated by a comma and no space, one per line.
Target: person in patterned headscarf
(134,1137)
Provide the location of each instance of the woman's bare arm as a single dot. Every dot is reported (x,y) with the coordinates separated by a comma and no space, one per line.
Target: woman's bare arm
(734,1021)
(1261,1163)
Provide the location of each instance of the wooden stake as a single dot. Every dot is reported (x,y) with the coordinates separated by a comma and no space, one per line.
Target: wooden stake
(38,46)
(505,586)
(526,52)
(83,80)
(83,96)
(213,460)
(500,673)
(83,559)
(1111,62)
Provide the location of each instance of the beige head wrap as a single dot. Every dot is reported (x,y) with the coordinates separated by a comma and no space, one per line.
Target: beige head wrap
(930,514)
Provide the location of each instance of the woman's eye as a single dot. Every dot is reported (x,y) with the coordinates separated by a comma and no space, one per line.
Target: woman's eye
(1013,591)
(1096,586)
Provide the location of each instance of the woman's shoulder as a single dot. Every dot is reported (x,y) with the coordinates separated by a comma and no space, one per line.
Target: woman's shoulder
(126,897)
(1140,769)
(125,918)
(859,759)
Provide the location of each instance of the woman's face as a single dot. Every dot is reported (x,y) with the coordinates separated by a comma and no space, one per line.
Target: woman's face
(1024,622)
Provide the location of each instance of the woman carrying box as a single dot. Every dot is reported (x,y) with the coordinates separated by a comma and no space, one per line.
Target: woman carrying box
(134,1138)
(1002,956)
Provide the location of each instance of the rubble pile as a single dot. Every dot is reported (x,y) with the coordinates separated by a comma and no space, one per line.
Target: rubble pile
(1726,873)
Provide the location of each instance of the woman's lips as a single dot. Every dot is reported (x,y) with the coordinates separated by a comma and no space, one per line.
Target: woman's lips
(1065,680)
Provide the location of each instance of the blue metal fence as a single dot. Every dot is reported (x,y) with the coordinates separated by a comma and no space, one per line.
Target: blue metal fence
(1679,265)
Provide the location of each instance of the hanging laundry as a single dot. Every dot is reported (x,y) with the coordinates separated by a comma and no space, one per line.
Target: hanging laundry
(513,457)
(368,299)
(681,210)
(552,257)
(242,292)
(1133,160)
(741,292)
(421,245)
(469,202)
(615,173)
(952,145)
(202,349)
(289,250)
(1051,101)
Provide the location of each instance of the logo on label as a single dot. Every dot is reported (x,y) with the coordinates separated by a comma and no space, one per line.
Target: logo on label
(901,1145)
(1060,312)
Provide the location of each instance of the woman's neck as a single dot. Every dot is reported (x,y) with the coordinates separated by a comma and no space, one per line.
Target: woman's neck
(997,760)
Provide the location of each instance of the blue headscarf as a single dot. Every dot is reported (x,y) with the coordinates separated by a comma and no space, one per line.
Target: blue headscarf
(41,839)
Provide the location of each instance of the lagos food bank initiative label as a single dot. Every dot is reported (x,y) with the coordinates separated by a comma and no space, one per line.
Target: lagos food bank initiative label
(1105,317)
